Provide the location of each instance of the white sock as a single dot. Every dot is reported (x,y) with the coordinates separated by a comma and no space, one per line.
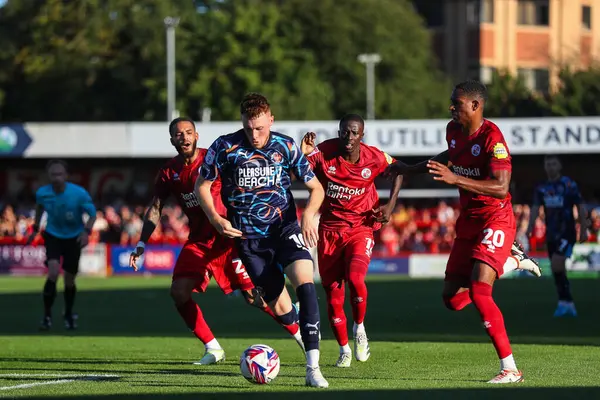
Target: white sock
(213,345)
(345,349)
(358,328)
(312,358)
(508,363)
(298,335)
(511,264)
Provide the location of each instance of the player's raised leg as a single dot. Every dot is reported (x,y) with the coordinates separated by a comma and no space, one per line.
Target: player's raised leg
(300,274)
(482,283)
(288,320)
(181,292)
(235,276)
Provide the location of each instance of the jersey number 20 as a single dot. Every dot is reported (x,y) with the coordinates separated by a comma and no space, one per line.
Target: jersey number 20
(497,237)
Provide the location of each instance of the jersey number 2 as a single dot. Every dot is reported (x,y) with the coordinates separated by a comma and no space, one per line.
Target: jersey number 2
(370,245)
(239,268)
(497,237)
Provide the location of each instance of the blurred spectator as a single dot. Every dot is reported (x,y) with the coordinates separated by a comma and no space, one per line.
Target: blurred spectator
(421,226)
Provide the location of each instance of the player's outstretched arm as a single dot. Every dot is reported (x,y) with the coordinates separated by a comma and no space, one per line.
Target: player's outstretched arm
(309,223)
(496,187)
(384,213)
(400,168)
(151,220)
(222,225)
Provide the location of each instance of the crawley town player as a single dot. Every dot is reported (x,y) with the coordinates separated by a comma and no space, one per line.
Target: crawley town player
(486,228)
(350,213)
(206,253)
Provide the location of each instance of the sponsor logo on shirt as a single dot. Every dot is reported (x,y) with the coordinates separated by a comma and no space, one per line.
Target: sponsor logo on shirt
(335,191)
(190,200)
(500,151)
(331,170)
(252,177)
(458,170)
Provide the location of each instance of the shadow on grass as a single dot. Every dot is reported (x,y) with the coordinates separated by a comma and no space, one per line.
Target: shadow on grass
(514,393)
(398,311)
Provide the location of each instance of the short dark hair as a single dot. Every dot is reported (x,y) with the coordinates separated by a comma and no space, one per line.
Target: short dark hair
(473,88)
(177,120)
(57,162)
(352,117)
(254,105)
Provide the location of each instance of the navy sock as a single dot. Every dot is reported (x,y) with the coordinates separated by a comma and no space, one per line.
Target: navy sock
(563,287)
(309,315)
(69,299)
(49,296)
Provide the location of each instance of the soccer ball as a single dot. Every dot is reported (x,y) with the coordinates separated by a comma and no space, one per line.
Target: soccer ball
(259,364)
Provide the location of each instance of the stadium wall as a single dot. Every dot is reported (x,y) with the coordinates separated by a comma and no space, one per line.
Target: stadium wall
(573,135)
(102,260)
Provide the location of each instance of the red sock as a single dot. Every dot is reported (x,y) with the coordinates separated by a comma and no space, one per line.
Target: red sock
(335,311)
(192,315)
(481,294)
(292,329)
(358,288)
(458,301)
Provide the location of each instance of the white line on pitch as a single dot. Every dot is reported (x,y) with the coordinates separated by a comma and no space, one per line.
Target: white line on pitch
(76,377)
(30,385)
(59,375)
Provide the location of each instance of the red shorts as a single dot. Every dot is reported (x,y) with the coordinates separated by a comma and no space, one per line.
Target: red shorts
(488,241)
(199,262)
(337,249)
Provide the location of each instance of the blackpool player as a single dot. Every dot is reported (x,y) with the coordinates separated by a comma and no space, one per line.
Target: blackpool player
(484,247)
(347,169)
(206,253)
(559,195)
(255,166)
(64,236)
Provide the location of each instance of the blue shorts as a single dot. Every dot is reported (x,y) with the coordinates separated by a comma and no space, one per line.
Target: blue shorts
(266,258)
(562,247)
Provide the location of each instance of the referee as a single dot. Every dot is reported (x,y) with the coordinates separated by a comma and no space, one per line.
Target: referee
(64,237)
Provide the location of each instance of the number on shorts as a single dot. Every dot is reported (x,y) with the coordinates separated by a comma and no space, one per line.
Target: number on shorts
(496,236)
(299,240)
(239,268)
(370,245)
(563,245)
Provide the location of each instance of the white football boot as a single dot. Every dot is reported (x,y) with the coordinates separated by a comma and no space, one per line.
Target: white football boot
(507,376)
(361,347)
(525,262)
(314,378)
(212,356)
(344,361)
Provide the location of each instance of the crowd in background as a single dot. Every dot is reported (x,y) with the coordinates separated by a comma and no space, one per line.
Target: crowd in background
(422,227)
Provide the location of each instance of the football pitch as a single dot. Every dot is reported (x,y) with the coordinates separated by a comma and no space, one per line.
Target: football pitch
(132,344)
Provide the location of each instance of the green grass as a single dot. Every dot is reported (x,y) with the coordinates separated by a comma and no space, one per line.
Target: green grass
(129,328)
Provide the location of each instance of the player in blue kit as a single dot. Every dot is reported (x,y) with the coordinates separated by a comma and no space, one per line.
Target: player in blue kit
(256,167)
(65,235)
(559,195)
